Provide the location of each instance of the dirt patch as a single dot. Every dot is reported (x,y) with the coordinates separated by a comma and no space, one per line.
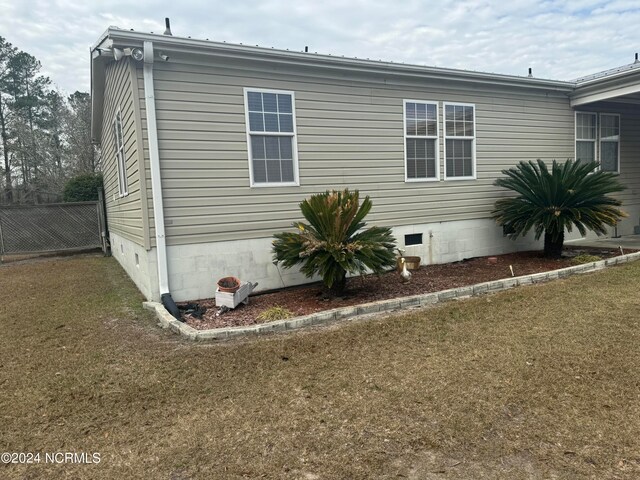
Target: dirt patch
(313,298)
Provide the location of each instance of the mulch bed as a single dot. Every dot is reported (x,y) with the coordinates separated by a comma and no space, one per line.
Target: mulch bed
(306,299)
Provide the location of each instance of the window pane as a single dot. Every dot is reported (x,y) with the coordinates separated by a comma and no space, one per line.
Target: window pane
(421,168)
(119,128)
(468,114)
(609,126)
(272,147)
(287,170)
(421,149)
(458,113)
(449,112)
(116,145)
(259,171)
(585,151)
(256,122)
(468,129)
(449,129)
(411,168)
(254,99)
(286,123)
(459,129)
(466,148)
(432,128)
(431,112)
(257,147)
(586,126)
(273,171)
(270,102)
(412,127)
(421,127)
(284,103)
(411,110)
(286,150)
(609,156)
(467,167)
(411,148)
(431,158)
(271,122)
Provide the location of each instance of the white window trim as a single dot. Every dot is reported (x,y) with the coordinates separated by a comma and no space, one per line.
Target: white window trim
(121,161)
(601,141)
(473,140)
(435,137)
(576,139)
(294,139)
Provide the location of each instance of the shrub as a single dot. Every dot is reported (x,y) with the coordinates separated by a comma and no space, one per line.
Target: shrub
(335,241)
(585,258)
(274,313)
(571,194)
(83,188)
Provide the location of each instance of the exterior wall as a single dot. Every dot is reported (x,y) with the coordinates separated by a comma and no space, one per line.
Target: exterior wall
(629,160)
(139,263)
(125,215)
(194,269)
(350,134)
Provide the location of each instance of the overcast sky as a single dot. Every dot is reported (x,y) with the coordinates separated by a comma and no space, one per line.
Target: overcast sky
(558,39)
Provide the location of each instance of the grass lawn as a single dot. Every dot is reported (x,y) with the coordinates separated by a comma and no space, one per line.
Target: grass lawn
(536,383)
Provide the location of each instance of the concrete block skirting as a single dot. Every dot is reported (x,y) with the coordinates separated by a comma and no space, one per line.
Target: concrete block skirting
(167,321)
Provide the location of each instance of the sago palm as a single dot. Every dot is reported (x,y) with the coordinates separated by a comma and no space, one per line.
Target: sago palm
(335,241)
(571,194)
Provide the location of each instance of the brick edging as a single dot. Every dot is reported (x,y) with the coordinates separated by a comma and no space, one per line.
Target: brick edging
(168,321)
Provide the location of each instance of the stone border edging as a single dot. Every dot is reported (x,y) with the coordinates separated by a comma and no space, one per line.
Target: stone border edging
(168,321)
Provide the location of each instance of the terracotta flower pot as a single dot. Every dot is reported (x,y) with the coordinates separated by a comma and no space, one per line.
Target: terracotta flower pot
(228,284)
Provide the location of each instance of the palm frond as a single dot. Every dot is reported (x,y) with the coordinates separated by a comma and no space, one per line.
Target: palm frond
(335,240)
(570,194)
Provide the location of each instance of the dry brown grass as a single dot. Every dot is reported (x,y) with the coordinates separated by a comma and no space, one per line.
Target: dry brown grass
(539,382)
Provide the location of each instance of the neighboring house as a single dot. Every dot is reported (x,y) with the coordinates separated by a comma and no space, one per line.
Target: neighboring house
(209,147)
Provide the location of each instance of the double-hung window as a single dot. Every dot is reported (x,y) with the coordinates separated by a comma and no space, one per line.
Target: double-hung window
(609,142)
(586,136)
(598,139)
(459,141)
(271,137)
(121,164)
(421,141)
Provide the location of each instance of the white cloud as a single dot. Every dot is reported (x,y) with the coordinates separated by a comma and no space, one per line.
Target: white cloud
(558,39)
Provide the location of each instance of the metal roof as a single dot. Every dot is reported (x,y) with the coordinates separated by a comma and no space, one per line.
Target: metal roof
(327,60)
(609,73)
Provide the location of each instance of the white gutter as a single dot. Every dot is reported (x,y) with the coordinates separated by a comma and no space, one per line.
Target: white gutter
(154,160)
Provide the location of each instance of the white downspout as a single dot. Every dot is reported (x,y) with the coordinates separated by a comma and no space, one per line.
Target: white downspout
(156,185)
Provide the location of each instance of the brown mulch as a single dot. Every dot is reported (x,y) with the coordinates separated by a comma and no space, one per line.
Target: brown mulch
(306,299)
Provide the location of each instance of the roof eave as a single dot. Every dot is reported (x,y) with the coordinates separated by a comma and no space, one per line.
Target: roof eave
(97,63)
(606,88)
(189,45)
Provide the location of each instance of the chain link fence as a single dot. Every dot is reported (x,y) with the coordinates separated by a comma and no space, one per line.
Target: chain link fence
(26,229)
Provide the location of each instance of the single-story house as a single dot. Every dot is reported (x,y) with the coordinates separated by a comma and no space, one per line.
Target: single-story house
(209,147)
